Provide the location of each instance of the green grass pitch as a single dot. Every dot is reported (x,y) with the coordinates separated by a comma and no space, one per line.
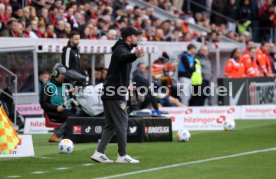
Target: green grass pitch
(248,136)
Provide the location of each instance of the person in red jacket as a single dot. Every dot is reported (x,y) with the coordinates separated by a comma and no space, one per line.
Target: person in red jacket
(263,59)
(250,64)
(234,68)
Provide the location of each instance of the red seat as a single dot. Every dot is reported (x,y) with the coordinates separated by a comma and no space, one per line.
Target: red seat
(49,123)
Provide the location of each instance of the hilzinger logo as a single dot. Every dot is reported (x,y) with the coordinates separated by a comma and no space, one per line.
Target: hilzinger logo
(221,119)
(231,110)
(188,111)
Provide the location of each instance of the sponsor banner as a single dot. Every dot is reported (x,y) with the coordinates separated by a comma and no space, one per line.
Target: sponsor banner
(201,118)
(198,122)
(158,130)
(90,129)
(248,91)
(29,109)
(231,111)
(258,112)
(25,148)
(87,129)
(36,126)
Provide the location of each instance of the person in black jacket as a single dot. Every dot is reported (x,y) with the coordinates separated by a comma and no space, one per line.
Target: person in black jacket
(245,16)
(114,95)
(218,6)
(232,11)
(71,55)
(267,24)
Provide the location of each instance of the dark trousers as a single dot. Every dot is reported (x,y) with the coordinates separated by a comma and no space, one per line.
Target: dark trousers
(61,117)
(150,100)
(199,100)
(116,121)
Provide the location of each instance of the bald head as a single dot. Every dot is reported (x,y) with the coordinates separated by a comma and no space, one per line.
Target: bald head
(204,50)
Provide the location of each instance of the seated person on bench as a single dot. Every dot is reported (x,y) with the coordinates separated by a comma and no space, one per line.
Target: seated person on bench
(55,102)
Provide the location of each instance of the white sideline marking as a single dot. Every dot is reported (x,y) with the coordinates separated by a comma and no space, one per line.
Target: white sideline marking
(15,176)
(87,164)
(62,168)
(188,163)
(39,172)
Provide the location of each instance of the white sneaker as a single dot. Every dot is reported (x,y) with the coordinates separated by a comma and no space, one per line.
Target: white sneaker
(126,159)
(99,157)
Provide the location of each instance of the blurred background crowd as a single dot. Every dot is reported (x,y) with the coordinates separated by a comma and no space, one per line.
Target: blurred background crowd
(239,20)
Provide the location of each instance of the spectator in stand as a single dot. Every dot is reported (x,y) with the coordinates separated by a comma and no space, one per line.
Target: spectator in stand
(33,14)
(118,4)
(2,17)
(50,32)
(86,33)
(267,23)
(112,35)
(42,16)
(8,13)
(245,15)
(263,59)
(234,68)
(17,12)
(60,29)
(20,30)
(34,32)
(218,6)
(150,33)
(12,28)
(41,31)
(202,38)
(52,13)
(160,36)
(67,29)
(232,12)
(255,20)
(166,26)
(27,30)
(27,14)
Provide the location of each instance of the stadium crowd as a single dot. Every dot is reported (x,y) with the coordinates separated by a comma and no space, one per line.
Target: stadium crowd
(92,19)
(237,19)
(103,19)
